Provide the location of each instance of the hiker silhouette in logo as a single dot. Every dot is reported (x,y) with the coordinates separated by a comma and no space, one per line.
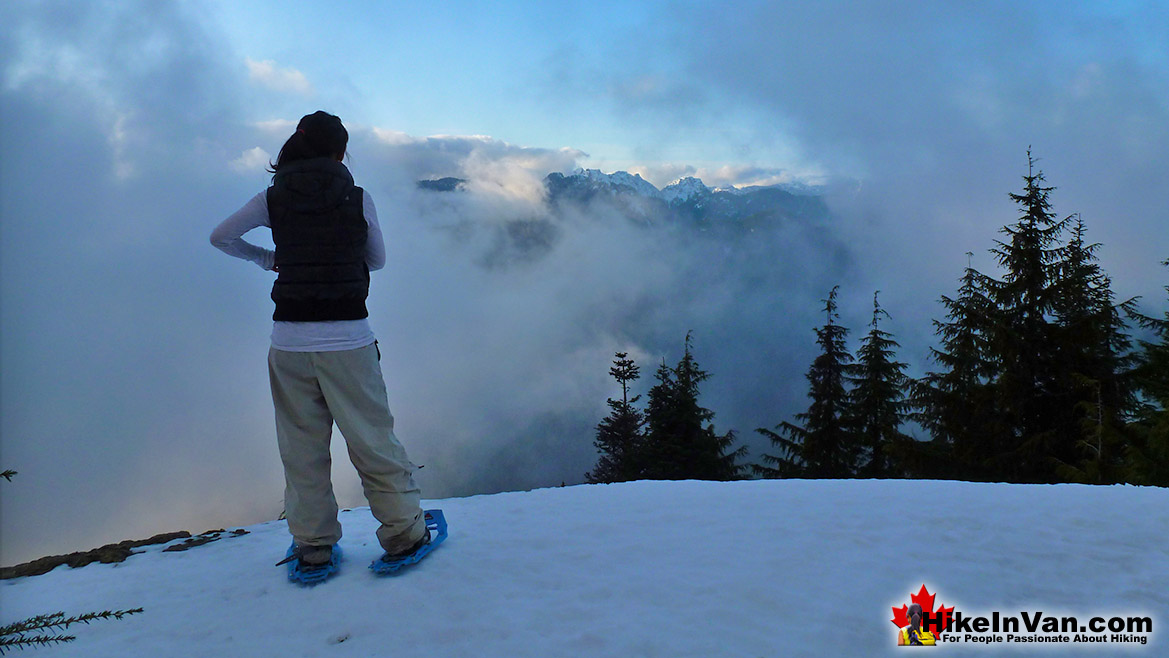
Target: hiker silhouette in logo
(912,635)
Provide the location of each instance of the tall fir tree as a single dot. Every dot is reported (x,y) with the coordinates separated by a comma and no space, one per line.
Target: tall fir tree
(821,446)
(877,406)
(1095,363)
(956,404)
(1035,432)
(680,441)
(620,435)
(1147,457)
(1035,382)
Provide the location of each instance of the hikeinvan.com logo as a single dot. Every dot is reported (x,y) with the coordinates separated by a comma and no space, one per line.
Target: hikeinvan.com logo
(920,623)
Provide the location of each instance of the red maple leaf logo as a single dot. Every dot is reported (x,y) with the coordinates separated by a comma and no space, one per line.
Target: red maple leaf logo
(926,601)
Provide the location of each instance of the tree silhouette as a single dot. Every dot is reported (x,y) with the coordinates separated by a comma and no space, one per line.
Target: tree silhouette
(681,442)
(822,446)
(619,436)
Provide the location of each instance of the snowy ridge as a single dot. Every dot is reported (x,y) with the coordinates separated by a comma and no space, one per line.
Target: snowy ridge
(759,568)
(680,191)
(620,178)
(684,189)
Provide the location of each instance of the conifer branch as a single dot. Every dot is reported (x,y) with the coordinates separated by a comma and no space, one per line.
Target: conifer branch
(57,620)
(16,634)
(21,641)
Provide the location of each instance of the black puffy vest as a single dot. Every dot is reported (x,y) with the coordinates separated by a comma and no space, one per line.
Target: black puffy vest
(319,229)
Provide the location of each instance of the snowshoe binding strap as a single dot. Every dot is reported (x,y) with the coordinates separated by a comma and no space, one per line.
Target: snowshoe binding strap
(305,573)
(437,529)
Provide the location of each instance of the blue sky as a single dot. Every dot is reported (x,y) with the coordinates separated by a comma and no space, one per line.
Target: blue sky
(133,391)
(680,84)
(537,74)
(458,68)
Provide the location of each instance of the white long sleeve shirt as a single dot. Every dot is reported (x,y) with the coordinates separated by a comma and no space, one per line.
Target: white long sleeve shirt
(301,336)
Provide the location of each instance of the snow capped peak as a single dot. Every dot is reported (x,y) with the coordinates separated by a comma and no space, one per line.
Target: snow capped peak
(687,180)
(592,174)
(621,178)
(683,189)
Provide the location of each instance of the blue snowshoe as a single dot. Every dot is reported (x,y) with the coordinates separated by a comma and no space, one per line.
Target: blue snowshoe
(435,534)
(306,573)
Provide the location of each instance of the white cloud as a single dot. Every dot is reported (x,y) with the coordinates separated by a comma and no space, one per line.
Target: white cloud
(516,177)
(495,168)
(394,137)
(278,126)
(119,139)
(492,167)
(663,174)
(251,160)
(289,79)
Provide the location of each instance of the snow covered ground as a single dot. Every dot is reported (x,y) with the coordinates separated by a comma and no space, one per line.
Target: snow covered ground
(760,568)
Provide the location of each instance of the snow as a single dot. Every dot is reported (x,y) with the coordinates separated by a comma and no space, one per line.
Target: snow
(684,188)
(802,189)
(758,568)
(633,181)
(687,187)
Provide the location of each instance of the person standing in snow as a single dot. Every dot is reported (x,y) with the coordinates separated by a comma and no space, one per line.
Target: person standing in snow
(324,363)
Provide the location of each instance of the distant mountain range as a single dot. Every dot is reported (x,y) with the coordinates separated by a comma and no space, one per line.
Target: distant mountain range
(687,199)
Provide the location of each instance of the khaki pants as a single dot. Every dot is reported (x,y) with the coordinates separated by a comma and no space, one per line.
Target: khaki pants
(310,391)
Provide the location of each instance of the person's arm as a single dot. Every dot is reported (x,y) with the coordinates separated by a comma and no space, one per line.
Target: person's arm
(375,246)
(227,237)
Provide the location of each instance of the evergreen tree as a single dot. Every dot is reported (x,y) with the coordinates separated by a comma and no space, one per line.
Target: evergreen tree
(822,447)
(877,407)
(1036,432)
(1147,456)
(1095,360)
(681,442)
(1036,367)
(956,405)
(619,435)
